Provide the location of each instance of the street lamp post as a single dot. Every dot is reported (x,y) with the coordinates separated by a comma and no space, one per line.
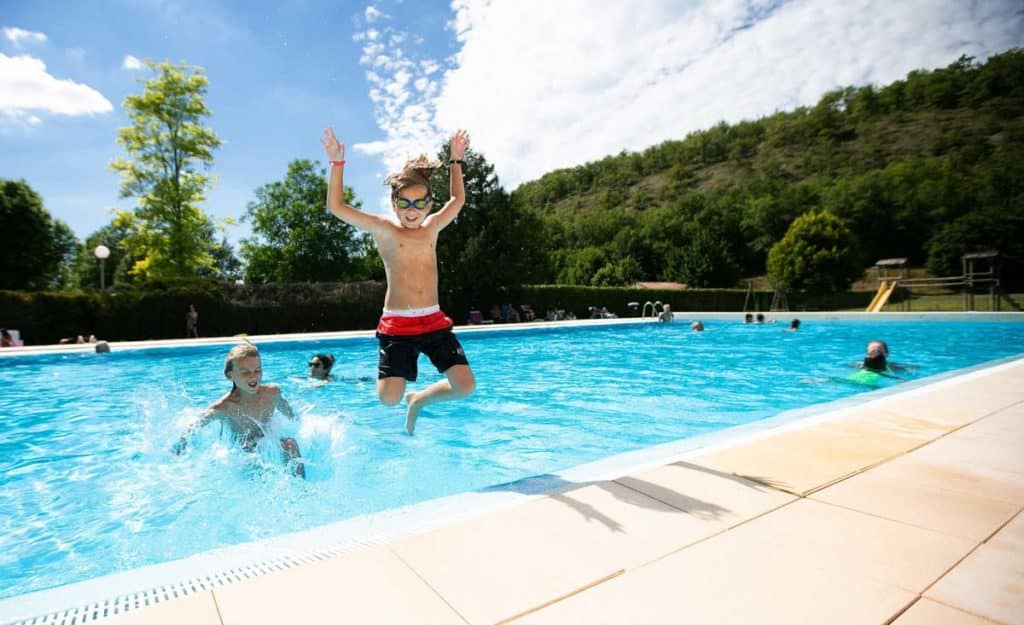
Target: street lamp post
(102,252)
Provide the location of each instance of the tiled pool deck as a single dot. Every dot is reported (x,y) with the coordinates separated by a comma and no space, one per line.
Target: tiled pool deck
(904,510)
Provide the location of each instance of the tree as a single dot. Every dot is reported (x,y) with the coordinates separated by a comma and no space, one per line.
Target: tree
(167,146)
(818,255)
(34,243)
(66,244)
(296,238)
(86,268)
(492,243)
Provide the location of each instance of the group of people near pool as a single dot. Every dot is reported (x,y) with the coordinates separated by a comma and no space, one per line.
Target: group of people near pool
(412,321)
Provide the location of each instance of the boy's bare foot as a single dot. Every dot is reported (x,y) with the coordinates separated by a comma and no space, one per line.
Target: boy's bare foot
(411,413)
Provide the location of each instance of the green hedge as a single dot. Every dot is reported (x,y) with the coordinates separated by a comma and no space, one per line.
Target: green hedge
(578,299)
(157,311)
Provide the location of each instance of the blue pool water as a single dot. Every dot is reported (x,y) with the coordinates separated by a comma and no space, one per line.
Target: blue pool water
(88,484)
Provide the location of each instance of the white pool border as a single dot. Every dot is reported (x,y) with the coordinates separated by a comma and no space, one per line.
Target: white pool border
(99,598)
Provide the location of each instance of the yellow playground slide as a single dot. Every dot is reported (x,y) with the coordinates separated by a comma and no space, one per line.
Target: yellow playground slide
(885,290)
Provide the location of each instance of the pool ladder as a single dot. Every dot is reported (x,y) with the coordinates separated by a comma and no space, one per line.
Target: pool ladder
(654,308)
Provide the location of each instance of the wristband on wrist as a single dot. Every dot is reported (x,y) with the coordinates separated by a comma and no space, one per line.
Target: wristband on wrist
(455,162)
(337,163)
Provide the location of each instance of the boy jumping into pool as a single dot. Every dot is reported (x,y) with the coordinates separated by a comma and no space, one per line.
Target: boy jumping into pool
(412,321)
(248,407)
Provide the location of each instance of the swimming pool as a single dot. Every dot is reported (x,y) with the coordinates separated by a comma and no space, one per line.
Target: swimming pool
(92,487)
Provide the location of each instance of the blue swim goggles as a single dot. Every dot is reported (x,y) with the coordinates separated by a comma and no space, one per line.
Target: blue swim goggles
(418,204)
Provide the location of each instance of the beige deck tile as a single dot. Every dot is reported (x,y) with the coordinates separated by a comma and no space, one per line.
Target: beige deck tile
(721,499)
(815,534)
(365,586)
(928,612)
(194,609)
(990,580)
(941,473)
(804,460)
(890,493)
(1004,426)
(983,453)
(758,573)
(495,567)
(960,403)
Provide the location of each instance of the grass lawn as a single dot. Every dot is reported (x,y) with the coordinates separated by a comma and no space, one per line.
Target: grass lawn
(953,302)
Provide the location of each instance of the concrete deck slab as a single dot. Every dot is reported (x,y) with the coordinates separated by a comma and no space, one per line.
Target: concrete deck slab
(805,460)
(745,575)
(720,499)
(960,403)
(496,567)
(990,581)
(365,586)
(982,453)
(928,612)
(893,494)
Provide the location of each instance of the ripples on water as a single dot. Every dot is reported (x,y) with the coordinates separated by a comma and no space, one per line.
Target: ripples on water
(91,486)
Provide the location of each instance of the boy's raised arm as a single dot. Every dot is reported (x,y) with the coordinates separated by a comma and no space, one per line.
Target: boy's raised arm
(203,419)
(336,188)
(443,217)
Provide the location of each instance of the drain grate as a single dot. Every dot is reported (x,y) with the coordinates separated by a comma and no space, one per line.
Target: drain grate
(100,610)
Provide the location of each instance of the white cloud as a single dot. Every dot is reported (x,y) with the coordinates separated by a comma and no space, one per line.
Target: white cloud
(539,90)
(26,88)
(372,14)
(131,63)
(17,35)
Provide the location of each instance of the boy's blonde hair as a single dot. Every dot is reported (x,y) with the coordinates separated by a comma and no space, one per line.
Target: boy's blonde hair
(416,171)
(244,350)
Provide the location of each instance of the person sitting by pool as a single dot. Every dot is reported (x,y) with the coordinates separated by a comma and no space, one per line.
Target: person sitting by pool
(6,340)
(666,315)
(320,367)
(248,407)
(697,326)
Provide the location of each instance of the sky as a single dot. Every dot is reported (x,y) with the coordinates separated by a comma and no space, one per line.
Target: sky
(538,85)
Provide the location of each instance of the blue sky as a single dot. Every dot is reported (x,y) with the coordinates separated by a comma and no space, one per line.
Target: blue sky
(538,85)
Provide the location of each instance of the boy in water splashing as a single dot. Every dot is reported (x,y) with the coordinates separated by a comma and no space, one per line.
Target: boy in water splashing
(247,408)
(412,321)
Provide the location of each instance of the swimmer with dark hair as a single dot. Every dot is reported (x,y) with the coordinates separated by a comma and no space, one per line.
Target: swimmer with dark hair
(320,367)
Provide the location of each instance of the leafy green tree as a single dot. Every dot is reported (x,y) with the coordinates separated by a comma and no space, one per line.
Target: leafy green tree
(492,243)
(996,229)
(226,265)
(66,244)
(167,147)
(296,238)
(87,268)
(818,255)
(705,262)
(34,243)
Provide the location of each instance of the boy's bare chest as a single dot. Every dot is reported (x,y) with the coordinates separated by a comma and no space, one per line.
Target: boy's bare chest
(411,245)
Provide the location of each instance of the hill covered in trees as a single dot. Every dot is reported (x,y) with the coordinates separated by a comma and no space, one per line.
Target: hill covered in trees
(928,167)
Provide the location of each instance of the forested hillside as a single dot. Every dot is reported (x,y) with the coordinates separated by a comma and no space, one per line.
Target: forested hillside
(928,167)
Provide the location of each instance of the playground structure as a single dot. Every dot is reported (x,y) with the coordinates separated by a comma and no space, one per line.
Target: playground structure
(972,278)
(752,303)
